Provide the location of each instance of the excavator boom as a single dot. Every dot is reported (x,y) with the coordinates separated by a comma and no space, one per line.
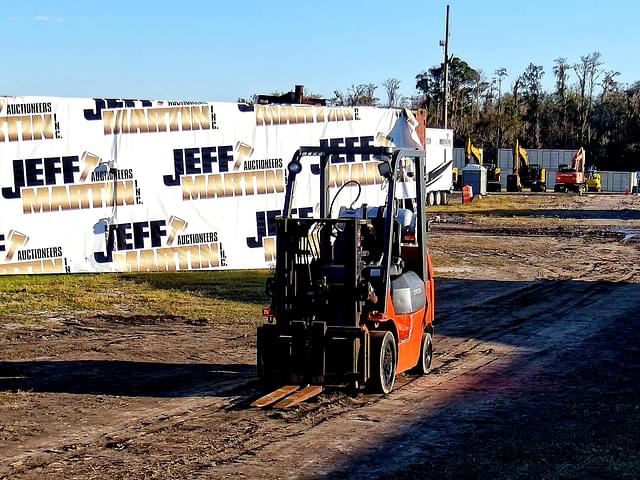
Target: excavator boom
(578,160)
(473,152)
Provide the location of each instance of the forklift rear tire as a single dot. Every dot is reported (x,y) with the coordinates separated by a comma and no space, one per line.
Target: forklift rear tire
(426,353)
(384,358)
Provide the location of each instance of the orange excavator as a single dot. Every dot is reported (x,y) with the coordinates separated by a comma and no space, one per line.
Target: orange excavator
(572,178)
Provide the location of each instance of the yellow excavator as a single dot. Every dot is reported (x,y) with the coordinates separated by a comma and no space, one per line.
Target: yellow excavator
(524,174)
(594,180)
(493,171)
(472,155)
(473,152)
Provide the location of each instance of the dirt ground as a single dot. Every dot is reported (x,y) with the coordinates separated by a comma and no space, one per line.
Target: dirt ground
(536,373)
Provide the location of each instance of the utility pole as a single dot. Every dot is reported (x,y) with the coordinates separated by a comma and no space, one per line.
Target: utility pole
(445,102)
(500,74)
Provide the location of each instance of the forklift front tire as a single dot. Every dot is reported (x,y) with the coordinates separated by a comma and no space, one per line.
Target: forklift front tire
(384,359)
(426,354)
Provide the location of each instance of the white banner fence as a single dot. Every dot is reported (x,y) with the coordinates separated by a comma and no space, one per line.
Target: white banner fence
(111,185)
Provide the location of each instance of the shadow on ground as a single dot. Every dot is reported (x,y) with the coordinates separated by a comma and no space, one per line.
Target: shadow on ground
(566,407)
(487,309)
(126,378)
(622,214)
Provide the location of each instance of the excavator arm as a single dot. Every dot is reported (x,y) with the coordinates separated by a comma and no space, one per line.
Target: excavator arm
(521,158)
(473,152)
(520,174)
(579,160)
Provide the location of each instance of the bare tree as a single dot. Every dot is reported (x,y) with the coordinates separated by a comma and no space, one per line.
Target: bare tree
(363,94)
(561,72)
(392,86)
(609,83)
(587,71)
(500,75)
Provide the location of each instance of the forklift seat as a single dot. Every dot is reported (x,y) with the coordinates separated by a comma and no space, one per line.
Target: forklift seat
(407,220)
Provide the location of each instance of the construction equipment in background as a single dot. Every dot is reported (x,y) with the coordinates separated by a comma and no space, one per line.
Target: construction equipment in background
(456,178)
(594,180)
(472,153)
(493,171)
(438,150)
(493,177)
(353,294)
(294,97)
(572,178)
(524,174)
(537,178)
(520,170)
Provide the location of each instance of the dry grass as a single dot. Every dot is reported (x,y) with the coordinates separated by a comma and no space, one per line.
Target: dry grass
(495,202)
(9,398)
(237,297)
(227,297)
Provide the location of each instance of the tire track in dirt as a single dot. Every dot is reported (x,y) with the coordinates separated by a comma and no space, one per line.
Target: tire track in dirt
(129,417)
(292,427)
(488,345)
(248,434)
(360,441)
(521,313)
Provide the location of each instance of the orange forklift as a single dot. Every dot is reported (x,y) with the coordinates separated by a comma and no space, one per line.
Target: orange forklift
(352,298)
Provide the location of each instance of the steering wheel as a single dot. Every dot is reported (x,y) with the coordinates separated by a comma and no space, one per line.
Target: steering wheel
(350,182)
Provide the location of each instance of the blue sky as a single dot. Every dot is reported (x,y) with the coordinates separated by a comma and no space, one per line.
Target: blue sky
(219,51)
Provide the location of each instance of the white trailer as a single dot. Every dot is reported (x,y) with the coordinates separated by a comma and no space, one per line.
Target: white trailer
(439,165)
